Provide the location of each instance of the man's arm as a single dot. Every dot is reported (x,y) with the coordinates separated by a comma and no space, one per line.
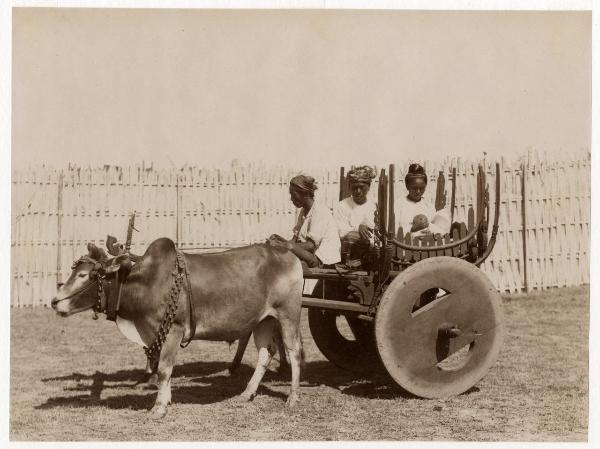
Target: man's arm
(305,251)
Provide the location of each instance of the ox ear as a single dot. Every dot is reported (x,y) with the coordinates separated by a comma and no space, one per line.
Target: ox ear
(95,252)
(120,263)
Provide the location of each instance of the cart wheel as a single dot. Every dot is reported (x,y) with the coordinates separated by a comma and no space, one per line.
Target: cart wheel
(344,340)
(444,345)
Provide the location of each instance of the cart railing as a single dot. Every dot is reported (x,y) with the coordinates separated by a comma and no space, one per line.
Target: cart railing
(468,241)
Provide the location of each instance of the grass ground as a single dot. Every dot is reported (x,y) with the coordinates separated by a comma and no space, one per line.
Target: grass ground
(73,379)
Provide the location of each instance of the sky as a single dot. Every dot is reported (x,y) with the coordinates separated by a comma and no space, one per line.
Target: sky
(300,88)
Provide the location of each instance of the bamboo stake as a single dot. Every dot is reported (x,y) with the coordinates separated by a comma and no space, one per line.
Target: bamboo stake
(524,225)
(59,213)
(544,217)
(178,212)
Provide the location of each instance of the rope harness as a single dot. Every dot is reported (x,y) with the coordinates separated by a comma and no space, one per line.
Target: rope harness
(180,275)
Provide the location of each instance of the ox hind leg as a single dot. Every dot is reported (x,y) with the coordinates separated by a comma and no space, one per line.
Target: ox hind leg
(263,338)
(284,364)
(290,334)
(164,371)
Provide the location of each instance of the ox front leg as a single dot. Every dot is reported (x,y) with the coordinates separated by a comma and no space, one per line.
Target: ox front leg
(151,380)
(152,371)
(165,368)
(263,338)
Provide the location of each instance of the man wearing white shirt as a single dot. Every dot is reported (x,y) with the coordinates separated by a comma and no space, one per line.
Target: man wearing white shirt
(355,215)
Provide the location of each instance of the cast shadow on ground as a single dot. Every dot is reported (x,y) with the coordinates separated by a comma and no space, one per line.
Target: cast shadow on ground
(212,384)
(375,385)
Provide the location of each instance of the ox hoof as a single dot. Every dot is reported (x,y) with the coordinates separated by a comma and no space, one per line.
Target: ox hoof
(158,412)
(292,400)
(145,386)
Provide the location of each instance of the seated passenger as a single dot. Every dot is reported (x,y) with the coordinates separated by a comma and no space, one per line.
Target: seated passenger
(315,242)
(355,215)
(415,213)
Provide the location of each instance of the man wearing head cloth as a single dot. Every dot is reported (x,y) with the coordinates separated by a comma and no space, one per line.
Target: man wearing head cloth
(315,240)
(304,183)
(355,215)
(415,213)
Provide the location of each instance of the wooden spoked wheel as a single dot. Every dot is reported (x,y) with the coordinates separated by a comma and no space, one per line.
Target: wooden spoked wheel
(344,340)
(439,327)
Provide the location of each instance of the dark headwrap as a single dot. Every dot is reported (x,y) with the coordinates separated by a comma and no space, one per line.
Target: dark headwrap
(415,171)
(304,183)
(361,174)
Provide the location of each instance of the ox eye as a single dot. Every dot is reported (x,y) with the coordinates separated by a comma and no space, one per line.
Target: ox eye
(82,275)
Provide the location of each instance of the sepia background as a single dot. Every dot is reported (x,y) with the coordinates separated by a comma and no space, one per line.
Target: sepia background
(196,119)
(302,88)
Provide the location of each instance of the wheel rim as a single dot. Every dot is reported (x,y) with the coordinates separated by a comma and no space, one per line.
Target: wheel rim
(346,341)
(442,346)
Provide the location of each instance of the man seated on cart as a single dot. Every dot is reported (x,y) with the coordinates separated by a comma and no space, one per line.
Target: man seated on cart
(315,241)
(355,215)
(415,213)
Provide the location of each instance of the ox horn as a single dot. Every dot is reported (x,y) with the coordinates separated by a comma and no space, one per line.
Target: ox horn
(95,252)
(114,248)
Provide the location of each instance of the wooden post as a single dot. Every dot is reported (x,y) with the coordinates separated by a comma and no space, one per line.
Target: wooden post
(440,192)
(453,197)
(59,216)
(391,215)
(524,224)
(178,212)
(382,203)
(342,184)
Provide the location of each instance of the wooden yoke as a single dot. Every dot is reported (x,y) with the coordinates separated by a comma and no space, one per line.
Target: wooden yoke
(116,249)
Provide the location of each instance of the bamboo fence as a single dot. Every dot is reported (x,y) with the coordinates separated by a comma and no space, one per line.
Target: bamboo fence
(55,213)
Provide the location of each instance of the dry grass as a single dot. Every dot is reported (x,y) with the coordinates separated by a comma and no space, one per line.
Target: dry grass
(73,379)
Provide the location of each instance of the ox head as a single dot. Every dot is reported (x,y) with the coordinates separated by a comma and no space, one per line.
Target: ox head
(81,291)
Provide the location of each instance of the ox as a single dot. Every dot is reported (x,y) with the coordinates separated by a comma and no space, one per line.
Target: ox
(169,298)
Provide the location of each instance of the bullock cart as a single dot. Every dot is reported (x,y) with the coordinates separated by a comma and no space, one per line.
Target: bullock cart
(419,309)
